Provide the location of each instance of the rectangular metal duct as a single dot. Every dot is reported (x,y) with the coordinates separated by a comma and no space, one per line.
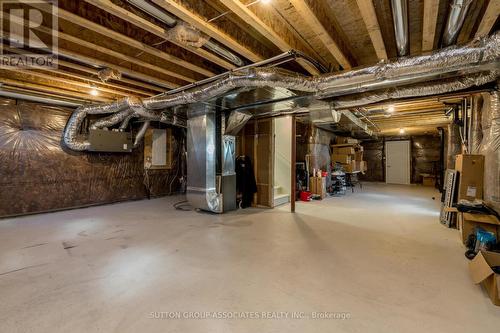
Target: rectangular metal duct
(201,159)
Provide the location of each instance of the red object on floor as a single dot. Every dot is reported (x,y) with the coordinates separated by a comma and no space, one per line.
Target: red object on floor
(324,174)
(305,196)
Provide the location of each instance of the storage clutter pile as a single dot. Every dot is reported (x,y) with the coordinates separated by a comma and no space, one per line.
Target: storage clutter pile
(349,153)
(479,225)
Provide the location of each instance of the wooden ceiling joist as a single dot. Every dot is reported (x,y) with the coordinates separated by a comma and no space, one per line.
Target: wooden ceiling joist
(211,30)
(489,18)
(248,16)
(67,82)
(52,90)
(102,63)
(95,72)
(128,89)
(431,10)
(87,24)
(310,19)
(370,18)
(91,46)
(152,28)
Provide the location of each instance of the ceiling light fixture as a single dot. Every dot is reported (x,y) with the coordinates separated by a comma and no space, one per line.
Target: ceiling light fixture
(265,2)
(93,90)
(402,131)
(391,108)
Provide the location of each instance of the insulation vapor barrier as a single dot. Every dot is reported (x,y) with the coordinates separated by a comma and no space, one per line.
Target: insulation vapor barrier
(490,148)
(314,143)
(39,175)
(456,68)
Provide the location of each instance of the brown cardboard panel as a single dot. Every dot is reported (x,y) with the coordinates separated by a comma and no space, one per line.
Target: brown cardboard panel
(481,273)
(428,180)
(482,218)
(317,185)
(342,140)
(358,156)
(344,159)
(343,151)
(471,175)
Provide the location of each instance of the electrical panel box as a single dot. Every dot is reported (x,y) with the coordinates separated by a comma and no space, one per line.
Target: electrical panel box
(110,141)
(158,149)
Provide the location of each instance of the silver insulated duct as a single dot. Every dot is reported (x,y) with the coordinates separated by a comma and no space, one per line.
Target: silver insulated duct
(456,17)
(201,159)
(447,70)
(400,19)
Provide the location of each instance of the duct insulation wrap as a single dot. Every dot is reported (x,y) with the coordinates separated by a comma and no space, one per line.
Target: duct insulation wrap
(456,68)
(313,146)
(490,148)
(477,129)
(236,121)
(201,159)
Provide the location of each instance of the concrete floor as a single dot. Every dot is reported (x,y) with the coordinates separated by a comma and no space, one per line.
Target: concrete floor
(378,257)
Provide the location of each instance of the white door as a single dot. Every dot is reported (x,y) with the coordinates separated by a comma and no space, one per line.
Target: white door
(397,162)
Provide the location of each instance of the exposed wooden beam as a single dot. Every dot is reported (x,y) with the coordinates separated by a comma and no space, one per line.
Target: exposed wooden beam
(123,57)
(138,21)
(95,72)
(127,89)
(312,21)
(124,70)
(52,90)
(370,18)
(201,24)
(431,9)
(489,18)
(67,82)
(248,16)
(101,63)
(91,46)
(87,24)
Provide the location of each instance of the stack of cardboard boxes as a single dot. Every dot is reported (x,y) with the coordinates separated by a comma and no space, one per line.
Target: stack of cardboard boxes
(349,153)
(470,187)
(317,185)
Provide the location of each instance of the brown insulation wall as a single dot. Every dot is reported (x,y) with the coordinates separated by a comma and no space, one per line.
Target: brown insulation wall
(374,156)
(38,174)
(490,148)
(424,157)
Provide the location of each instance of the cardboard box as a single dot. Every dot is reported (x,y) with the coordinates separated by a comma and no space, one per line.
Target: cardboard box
(468,222)
(321,186)
(312,185)
(481,273)
(344,159)
(358,156)
(317,185)
(351,167)
(471,174)
(429,181)
(343,151)
(343,139)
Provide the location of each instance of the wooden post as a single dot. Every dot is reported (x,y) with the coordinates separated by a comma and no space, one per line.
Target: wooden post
(293,161)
